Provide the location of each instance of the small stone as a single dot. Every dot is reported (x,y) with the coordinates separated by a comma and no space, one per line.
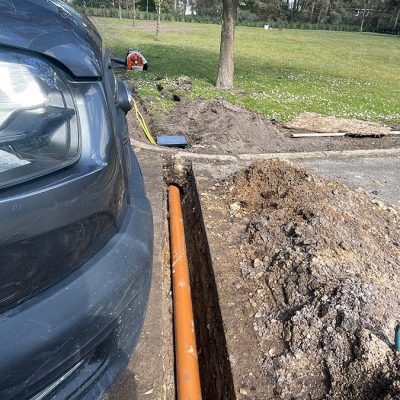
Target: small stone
(234,207)
(272,351)
(345,246)
(298,355)
(278,391)
(258,263)
(289,228)
(243,391)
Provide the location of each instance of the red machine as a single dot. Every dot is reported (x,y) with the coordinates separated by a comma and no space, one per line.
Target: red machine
(135,60)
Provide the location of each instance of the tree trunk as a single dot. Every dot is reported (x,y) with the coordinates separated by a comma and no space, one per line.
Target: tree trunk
(119,9)
(363,16)
(134,12)
(396,21)
(158,3)
(226,66)
(320,14)
(327,12)
(312,11)
(184,9)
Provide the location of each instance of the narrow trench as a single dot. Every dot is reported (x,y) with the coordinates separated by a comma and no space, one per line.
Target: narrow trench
(215,369)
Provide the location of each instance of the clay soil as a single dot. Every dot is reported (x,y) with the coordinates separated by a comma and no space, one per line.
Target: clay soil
(217,126)
(308,276)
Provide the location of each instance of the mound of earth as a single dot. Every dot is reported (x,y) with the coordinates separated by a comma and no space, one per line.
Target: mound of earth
(219,127)
(323,263)
(313,122)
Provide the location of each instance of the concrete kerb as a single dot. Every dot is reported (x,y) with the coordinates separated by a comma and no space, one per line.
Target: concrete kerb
(266,156)
(322,154)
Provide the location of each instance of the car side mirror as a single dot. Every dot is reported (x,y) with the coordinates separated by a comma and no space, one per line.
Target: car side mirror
(124,98)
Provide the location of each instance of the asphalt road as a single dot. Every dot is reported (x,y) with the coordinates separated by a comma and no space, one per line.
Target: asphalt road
(379,176)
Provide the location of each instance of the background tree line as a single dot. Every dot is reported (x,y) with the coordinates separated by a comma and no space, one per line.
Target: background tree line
(363,15)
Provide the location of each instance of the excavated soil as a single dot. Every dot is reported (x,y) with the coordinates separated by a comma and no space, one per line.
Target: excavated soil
(219,127)
(308,273)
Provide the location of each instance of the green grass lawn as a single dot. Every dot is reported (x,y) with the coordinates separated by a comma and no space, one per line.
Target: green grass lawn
(279,73)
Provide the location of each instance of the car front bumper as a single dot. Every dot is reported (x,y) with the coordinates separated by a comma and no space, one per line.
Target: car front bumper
(73,339)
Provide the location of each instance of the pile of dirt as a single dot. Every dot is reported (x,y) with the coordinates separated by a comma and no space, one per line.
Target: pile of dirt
(312,122)
(219,127)
(323,263)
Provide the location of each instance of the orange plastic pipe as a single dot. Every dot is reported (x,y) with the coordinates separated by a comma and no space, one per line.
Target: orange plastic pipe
(187,365)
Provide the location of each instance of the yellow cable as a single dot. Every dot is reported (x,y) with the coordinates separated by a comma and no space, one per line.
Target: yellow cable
(142,123)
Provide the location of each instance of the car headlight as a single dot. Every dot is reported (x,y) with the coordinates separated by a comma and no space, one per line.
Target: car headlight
(38,121)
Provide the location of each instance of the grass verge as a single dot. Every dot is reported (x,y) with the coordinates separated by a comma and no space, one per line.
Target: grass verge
(278,73)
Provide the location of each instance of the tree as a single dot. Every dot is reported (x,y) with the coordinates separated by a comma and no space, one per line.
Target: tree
(312,10)
(397,17)
(270,9)
(364,14)
(226,64)
(184,7)
(158,5)
(119,9)
(133,12)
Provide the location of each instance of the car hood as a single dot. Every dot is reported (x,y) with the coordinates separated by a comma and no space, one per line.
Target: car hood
(53,28)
